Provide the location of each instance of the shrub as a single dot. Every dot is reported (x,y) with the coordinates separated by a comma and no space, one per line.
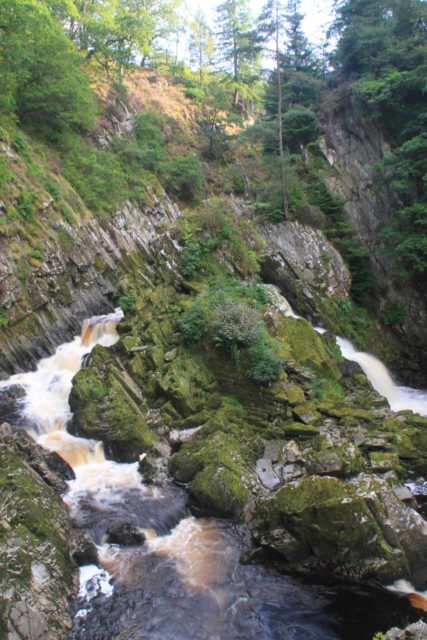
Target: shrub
(192,323)
(233,324)
(3,318)
(127,302)
(183,177)
(299,127)
(5,173)
(36,253)
(227,317)
(265,364)
(26,203)
(394,313)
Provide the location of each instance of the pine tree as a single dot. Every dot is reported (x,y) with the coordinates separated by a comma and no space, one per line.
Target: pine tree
(201,45)
(298,54)
(272,26)
(237,42)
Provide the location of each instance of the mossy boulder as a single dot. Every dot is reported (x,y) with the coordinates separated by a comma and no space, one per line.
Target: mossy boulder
(306,414)
(340,462)
(353,529)
(299,430)
(218,470)
(295,395)
(186,382)
(105,407)
(219,491)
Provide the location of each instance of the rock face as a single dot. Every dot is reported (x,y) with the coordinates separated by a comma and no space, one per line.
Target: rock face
(356,529)
(78,278)
(302,263)
(353,147)
(37,572)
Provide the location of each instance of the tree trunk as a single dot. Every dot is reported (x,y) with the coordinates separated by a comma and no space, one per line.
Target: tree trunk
(283,171)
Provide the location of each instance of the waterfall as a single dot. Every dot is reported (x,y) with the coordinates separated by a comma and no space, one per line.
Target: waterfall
(45,405)
(399,397)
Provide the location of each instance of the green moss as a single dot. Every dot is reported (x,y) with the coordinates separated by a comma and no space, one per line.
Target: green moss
(219,491)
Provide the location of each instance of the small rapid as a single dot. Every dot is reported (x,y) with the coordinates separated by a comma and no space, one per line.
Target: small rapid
(186,582)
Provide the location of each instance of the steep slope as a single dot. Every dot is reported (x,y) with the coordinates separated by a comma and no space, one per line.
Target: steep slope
(353,147)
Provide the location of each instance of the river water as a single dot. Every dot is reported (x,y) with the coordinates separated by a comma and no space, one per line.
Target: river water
(186,582)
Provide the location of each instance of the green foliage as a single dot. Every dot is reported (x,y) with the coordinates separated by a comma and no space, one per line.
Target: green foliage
(25,205)
(299,127)
(36,253)
(214,226)
(379,636)
(96,174)
(265,363)
(46,87)
(127,302)
(339,230)
(150,139)
(3,318)
(5,173)
(394,313)
(406,235)
(183,176)
(192,323)
(227,316)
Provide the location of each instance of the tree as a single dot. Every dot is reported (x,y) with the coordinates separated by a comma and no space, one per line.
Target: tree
(115,32)
(272,26)
(237,43)
(201,45)
(298,53)
(214,115)
(42,72)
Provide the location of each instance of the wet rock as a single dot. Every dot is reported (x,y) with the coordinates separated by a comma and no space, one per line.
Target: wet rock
(415,631)
(83,550)
(125,533)
(53,469)
(266,474)
(10,404)
(274,450)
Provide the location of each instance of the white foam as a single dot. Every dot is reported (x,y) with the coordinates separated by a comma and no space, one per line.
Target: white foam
(93,581)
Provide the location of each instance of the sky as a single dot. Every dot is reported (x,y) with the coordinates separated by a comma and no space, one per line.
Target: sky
(317,13)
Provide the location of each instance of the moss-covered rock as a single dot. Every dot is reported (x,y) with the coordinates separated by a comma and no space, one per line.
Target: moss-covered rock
(37,572)
(352,529)
(218,491)
(306,414)
(105,407)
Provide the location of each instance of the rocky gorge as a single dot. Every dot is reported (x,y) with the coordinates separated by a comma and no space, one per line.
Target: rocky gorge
(310,473)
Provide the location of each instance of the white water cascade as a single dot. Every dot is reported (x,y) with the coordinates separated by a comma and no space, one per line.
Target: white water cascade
(48,388)
(399,397)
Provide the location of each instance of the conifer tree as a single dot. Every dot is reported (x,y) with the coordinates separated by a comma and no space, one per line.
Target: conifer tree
(201,45)
(237,43)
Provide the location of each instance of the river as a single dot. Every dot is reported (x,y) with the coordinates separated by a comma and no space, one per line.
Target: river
(186,582)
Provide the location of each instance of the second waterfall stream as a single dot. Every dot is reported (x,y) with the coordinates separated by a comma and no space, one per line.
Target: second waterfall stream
(186,581)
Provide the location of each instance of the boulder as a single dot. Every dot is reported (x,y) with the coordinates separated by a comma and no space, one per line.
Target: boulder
(355,529)
(415,631)
(125,533)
